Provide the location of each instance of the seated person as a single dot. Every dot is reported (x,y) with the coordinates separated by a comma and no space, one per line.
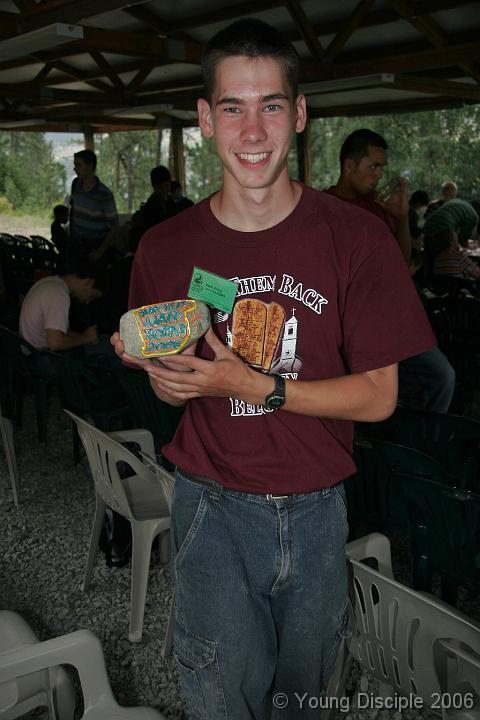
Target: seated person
(448,257)
(44,316)
(448,191)
(59,234)
(457,215)
(418,200)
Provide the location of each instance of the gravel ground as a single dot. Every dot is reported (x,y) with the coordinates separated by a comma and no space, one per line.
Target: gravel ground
(43,548)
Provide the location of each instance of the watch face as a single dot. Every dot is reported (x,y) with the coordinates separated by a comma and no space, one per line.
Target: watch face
(275,402)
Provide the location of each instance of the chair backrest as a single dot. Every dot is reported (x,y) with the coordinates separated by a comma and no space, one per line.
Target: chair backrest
(89,388)
(82,650)
(373,493)
(451,440)
(150,412)
(398,632)
(444,524)
(104,456)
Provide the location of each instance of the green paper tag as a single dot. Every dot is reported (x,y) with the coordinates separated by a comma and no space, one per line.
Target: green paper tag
(212,289)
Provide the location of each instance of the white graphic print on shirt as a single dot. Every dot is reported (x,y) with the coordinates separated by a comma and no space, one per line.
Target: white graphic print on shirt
(260,332)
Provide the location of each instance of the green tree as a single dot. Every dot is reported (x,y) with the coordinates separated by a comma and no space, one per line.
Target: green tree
(30,177)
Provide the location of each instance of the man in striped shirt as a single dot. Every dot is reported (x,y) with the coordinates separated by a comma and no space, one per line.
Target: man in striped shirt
(93,213)
(457,215)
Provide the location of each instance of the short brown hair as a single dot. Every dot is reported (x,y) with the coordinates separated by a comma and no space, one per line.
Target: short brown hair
(254,39)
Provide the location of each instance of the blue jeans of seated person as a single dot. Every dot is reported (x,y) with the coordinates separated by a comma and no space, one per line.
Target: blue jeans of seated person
(261,597)
(426,381)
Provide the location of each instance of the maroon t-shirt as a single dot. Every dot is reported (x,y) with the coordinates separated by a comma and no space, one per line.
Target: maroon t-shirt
(329,288)
(367,202)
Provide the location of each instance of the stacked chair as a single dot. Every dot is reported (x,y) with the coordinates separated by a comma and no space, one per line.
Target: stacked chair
(418,475)
(139,494)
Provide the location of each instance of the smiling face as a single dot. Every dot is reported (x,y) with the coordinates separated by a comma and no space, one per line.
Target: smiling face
(363,175)
(252,117)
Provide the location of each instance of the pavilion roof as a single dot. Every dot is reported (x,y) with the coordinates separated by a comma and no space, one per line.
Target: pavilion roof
(134,64)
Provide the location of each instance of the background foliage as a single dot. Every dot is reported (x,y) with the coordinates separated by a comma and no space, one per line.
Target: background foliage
(426,148)
(30,178)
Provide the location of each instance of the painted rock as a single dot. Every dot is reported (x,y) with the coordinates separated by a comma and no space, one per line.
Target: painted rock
(165,328)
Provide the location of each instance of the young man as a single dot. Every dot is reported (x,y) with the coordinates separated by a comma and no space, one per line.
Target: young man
(44,319)
(156,209)
(426,380)
(93,213)
(259,517)
(362,158)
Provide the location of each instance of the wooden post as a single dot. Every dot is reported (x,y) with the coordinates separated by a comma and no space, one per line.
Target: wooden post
(304,155)
(176,152)
(88,137)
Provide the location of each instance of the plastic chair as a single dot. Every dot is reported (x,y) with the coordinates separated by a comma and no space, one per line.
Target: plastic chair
(373,493)
(89,389)
(149,412)
(452,440)
(6,432)
(444,530)
(20,693)
(19,358)
(167,481)
(82,650)
(138,497)
(396,637)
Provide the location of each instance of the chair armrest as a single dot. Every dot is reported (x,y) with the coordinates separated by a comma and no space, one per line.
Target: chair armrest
(141,436)
(81,648)
(374,545)
(166,478)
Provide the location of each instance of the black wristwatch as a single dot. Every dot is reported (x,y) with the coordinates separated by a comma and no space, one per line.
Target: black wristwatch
(276,398)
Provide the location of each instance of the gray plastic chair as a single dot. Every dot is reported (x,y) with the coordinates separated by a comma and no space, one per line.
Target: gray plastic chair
(82,650)
(6,431)
(48,686)
(398,637)
(138,497)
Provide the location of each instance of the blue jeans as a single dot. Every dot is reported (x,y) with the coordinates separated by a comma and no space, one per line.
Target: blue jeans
(426,381)
(261,597)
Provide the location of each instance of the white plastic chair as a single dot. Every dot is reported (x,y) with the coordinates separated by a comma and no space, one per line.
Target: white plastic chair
(82,650)
(398,635)
(167,481)
(48,687)
(6,431)
(139,498)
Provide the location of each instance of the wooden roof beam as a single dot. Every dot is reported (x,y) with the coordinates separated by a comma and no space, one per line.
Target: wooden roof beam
(70,12)
(307,31)
(81,75)
(352,24)
(139,78)
(467,91)
(107,69)
(430,29)
(392,106)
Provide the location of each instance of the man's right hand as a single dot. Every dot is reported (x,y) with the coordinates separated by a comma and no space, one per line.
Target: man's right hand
(90,334)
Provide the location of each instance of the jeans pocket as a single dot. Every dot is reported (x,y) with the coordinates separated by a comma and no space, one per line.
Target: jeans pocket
(199,675)
(188,509)
(341,499)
